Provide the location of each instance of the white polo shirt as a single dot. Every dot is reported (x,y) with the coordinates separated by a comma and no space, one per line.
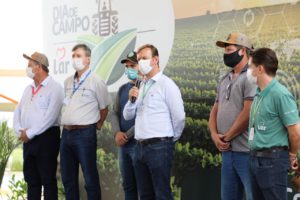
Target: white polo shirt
(83,106)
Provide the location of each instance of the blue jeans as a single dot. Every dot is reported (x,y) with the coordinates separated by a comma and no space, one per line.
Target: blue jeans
(153,164)
(269,176)
(235,176)
(79,147)
(126,158)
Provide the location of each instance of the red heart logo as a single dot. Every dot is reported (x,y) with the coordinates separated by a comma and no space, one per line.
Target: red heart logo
(60,53)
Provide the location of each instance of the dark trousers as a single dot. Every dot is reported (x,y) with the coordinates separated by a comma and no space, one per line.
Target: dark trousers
(126,158)
(40,164)
(269,176)
(79,147)
(153,164)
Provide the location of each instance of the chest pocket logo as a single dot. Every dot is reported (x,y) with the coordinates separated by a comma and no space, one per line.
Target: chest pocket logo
(87,95)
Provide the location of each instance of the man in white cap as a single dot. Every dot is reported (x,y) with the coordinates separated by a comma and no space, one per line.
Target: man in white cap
(229,118)
(36,122)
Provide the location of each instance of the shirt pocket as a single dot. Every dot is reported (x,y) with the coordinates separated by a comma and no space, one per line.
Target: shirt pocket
(266,120)
(43,102)
(87,96)
(154,100)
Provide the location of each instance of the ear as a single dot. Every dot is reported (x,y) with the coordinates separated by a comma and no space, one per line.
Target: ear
(260,68)
(242,51)
(40,67)
(155,60)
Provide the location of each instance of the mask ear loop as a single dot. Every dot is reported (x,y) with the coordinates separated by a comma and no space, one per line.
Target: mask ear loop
(126,71)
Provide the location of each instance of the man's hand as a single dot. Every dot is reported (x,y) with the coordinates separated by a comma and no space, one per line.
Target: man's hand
(99,125)
(294,162)
(133,92)
(121,138)
(23,136)
(295,165)
(220,144)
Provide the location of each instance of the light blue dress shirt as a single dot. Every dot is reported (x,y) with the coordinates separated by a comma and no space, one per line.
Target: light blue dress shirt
(159,109)
(39,112)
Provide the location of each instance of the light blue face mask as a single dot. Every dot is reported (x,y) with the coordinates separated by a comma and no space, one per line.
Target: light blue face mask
(132,74)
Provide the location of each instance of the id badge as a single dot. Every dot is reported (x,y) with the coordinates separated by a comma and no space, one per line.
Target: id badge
(251,134)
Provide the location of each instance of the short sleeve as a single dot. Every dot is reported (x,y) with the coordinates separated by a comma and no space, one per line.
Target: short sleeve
(249,90)
(103,96)
(287,109)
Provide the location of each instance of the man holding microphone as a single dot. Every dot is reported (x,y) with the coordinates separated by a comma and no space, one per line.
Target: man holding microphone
(159,122)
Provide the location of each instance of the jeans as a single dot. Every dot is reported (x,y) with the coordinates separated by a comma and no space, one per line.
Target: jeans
(126,158)
(153,164)
(79,147)
(269,176)
(40,164)
(235,176)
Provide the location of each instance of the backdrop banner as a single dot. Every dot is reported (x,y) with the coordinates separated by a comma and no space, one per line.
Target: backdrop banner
(185,33)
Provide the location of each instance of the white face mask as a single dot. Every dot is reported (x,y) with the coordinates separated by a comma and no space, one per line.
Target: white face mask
(145,66)
(252,79)
(78,64)
(29,72)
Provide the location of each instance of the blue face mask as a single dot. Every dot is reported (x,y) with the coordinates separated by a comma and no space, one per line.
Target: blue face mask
(132,74)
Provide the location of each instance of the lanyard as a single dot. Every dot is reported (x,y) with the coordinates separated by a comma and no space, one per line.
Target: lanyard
(34,92)
(255,109)
(80,83)
(145,90)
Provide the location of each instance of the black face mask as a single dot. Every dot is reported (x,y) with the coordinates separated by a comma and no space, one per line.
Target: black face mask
(232,59)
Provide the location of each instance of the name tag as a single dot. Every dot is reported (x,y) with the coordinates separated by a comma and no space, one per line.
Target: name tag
(251,134)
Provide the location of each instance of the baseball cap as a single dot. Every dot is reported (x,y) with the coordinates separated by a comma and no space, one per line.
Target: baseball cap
(131,57)
(38,57)
(236,39)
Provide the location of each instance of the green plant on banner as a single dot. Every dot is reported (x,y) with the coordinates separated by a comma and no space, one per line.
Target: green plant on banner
(175,189)
(189,158)
(8,143)
(109,175)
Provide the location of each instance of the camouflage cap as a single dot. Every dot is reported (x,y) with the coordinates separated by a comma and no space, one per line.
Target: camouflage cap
(131,57)
(236,39)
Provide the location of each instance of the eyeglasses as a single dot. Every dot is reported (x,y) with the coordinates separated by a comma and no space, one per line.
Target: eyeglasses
(228,91)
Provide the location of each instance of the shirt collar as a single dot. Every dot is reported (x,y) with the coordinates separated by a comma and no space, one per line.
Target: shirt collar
(156,77)
(82,76)
(44,82)
(243,70)
(267,89)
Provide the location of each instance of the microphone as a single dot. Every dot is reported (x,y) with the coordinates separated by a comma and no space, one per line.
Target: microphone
(137,84)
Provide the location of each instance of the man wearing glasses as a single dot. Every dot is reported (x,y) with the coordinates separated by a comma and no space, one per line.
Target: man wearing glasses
(229,118)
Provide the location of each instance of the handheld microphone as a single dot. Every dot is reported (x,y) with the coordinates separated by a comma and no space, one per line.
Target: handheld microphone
(137,84)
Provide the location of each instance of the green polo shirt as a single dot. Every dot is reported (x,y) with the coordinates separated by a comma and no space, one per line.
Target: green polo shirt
(272,110)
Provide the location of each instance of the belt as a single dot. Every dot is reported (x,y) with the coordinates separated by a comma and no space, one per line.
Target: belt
(75,127)
(268,152)
(154,140)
